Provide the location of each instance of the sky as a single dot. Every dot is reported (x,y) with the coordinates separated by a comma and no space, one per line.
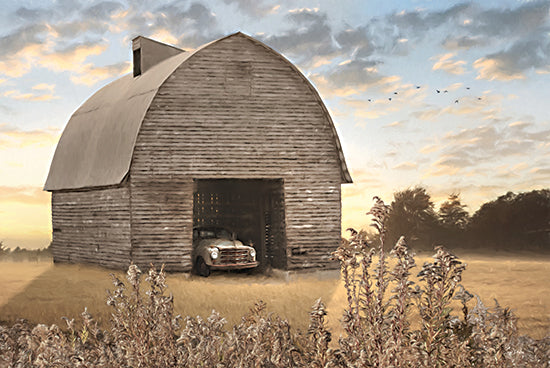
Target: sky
(448,95)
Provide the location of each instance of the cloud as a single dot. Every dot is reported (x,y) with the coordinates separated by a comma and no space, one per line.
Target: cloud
(463,42)
(11,136)
(430,148)
(165,36)
(463,26)
(439,169)
(69,18)
(363,178)
(102,10)
(192,25)
(395,124)
(420,20)
(90,75)
(254,8)
(485,106)
(22,38)
(541,172)
(48,38)
(356,73)
(24,194)
(8,110)
(356,39)
(16,95)
(41,92)
(445,62)
(32,15)
(510,22)
(58,10)
(308,38)
(405,166)
(22,61)
(42,48)
(469,150)
(72,57)
(514,62)
(44,86)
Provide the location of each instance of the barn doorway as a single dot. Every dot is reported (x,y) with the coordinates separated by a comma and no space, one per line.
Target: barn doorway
(253,208)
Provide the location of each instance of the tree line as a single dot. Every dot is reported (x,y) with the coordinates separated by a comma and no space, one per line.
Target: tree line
(513,221)
(21,254)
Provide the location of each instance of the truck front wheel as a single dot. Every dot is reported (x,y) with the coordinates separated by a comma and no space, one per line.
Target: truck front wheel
(202,268)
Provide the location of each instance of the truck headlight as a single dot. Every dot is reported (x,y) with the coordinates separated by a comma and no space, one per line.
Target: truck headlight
(253,254)
(214,253)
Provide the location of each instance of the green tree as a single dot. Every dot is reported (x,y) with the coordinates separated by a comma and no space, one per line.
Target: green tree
(513,221)
(452,213)
(412,215)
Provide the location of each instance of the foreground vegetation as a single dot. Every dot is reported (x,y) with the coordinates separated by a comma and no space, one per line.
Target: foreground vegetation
(388,321)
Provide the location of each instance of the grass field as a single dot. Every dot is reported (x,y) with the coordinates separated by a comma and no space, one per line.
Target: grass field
(42,292)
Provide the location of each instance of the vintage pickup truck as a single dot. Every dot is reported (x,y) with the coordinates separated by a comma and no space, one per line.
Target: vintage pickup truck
(218,248)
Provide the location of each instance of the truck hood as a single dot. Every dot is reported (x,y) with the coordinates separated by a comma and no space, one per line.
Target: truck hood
(224,243)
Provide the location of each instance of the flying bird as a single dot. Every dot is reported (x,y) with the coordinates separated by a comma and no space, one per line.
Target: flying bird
(389,98)
(395,93)
(417,87)
(445,91)
(467,87)
(456,101)
(438,91)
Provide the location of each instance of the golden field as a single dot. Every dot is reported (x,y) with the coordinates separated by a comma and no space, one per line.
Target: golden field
(43,292)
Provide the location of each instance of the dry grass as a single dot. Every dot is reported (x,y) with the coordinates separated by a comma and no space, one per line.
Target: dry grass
(42,292)
(379,330)
(521,283)
(53,291)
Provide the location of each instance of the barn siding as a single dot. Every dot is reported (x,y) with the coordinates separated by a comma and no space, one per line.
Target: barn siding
(92,226)
(162,222)
(235,110)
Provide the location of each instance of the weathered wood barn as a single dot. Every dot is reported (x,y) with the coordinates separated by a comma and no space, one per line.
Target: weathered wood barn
(230,134)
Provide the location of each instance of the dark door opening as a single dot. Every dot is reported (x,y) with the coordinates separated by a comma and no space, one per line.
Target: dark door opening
(253,208)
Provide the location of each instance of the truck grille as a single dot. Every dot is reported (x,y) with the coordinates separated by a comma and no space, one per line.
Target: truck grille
(234,256)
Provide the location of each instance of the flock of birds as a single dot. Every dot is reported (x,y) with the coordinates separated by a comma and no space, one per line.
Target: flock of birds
(418,87)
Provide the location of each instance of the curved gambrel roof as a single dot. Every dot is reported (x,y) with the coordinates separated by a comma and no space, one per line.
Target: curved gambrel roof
(97,145)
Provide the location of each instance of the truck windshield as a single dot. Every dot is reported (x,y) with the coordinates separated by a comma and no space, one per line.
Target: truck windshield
(215,233)
(223,234)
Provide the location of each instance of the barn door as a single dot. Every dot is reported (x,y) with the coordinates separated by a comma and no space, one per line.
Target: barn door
(253,208)
(274,238)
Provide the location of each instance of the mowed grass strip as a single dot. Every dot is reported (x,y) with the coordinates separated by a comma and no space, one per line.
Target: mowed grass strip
(42,292)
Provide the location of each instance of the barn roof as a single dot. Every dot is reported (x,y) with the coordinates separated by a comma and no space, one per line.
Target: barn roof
(97,144)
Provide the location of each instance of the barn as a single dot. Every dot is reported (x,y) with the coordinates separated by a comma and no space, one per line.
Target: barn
(230,134)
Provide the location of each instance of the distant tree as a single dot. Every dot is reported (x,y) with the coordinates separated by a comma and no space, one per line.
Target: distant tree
(3,249)
(452,222)
(452,213)
(412,215)
(513,221)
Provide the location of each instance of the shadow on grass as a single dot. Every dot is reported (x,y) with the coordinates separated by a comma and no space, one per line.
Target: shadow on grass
(65,290)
